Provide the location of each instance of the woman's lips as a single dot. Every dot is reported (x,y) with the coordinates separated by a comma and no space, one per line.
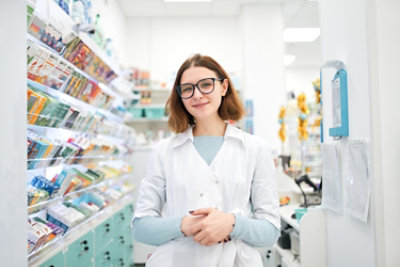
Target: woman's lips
(200,105)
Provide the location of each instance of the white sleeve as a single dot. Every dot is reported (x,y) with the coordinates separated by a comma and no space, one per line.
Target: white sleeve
(151,197)
(264,194)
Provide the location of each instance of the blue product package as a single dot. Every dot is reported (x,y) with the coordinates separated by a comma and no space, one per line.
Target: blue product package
(57,222)
(42,183)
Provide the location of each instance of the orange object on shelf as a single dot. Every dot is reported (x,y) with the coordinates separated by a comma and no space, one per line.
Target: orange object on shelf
(284,200)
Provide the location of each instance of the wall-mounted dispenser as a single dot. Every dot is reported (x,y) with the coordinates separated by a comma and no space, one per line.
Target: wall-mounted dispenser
(340,114)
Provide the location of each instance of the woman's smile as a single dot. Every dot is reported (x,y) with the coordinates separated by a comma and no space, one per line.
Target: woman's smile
(200,105)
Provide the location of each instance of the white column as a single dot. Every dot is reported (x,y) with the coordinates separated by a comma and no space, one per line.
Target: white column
(384,40)
(263,50)
(344,36)
(13,198)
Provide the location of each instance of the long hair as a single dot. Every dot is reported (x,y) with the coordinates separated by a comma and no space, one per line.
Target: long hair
(231,107)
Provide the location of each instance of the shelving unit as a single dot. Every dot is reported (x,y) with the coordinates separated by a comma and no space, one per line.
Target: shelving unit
(312,157)
(56,252)
(79,200)
(147,116)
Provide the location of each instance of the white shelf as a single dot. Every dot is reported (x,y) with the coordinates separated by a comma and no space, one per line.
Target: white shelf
(152,89)
(145,120)
(286,215)
(149,106)
(62,132)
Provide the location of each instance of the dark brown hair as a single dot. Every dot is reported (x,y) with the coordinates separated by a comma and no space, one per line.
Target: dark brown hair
(231,107)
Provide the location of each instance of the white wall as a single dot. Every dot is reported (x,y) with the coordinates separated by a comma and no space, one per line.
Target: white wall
(263,70)
(250,46)
(13,204)
(384,40)
(299,80)
(162,44)
(344,37)
(113,22)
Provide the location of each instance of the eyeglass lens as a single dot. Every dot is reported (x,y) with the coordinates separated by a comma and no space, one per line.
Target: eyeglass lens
(205,86)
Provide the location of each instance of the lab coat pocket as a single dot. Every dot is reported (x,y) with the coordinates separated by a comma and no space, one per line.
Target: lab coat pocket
(161,256)
(247,255)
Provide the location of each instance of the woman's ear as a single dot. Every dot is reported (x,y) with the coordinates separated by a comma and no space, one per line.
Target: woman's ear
(224,87)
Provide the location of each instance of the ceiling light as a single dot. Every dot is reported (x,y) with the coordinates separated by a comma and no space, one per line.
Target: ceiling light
(187,1)
(294,35)
(289,59)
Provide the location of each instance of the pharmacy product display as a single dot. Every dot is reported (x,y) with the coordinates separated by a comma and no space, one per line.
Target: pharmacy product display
(146,108)
(66,203)
(77,144)
(300,134)
(149,98)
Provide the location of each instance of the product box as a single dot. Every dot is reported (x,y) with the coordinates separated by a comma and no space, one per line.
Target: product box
(36,236)
(70,118)
(64,179)
(36,103)
(36,27)
(71,46)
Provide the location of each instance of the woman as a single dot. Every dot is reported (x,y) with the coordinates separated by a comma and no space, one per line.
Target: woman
(209,196)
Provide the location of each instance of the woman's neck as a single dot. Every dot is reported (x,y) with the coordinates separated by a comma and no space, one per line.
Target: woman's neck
(210,128)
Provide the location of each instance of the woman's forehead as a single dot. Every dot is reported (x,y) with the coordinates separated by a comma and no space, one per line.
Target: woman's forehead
(195,73)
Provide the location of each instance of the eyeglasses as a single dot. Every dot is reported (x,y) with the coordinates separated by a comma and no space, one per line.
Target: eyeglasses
(205,86)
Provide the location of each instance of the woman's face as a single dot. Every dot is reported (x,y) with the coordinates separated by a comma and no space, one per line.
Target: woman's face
(202,106)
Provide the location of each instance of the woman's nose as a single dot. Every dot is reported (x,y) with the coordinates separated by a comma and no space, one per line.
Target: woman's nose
(197,93)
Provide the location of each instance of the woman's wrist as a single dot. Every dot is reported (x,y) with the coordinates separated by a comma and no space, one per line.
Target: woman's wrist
(232,222)
(182,226)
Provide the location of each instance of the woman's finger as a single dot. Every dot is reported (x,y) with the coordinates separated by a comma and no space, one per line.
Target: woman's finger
(204,211)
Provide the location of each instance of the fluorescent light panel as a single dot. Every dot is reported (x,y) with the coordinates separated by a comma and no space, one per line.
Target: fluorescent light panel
(289,59)
(299,35)
(187,1)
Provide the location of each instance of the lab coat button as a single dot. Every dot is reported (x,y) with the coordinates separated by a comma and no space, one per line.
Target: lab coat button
(201,194)
(217,181)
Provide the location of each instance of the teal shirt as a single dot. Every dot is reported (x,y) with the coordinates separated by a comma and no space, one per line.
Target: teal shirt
(156,231)
(208,146)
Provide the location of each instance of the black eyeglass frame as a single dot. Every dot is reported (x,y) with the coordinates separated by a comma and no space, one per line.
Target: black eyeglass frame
(194,86)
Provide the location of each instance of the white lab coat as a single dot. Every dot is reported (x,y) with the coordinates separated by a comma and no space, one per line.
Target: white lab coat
(240,180)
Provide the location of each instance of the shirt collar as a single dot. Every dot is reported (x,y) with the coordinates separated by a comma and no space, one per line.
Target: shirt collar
(230,132)
(234,132)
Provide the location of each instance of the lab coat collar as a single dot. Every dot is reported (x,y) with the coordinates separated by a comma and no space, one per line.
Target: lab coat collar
(230,132)
(183,137)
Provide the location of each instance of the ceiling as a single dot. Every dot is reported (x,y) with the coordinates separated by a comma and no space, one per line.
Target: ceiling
(297,13)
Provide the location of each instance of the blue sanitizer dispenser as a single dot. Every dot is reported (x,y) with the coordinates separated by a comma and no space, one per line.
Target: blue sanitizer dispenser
(340,111)
(340,105)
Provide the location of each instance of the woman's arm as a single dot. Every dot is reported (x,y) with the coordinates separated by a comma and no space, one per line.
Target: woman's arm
(263,229)
(156,231)
(152,196)
(258,233)
(218,225)
(264,194)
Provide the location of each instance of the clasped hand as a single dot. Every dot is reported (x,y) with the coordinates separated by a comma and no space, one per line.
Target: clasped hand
(208,226)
